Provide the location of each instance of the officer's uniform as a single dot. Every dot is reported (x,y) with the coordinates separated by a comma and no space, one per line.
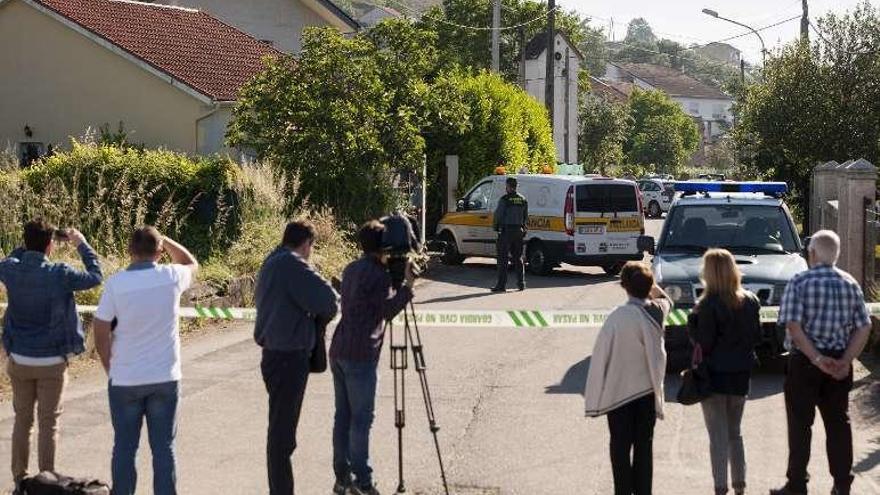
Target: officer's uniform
(510,220)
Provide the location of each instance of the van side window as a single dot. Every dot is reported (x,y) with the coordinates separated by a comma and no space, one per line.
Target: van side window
(479,198)
(606,198)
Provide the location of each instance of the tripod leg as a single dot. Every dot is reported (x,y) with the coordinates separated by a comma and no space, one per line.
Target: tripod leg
(398,367)
(421,369)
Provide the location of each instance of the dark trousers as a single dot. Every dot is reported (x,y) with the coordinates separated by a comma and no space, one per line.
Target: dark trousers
(285,375)
(510,245)
(632,441)
(807,388)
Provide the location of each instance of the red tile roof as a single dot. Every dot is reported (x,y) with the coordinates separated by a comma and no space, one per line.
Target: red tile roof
(191,46)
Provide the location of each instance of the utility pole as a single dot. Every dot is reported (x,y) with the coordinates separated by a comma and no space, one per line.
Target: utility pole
(805,23)
(742,69)
(496,35)
(550,76)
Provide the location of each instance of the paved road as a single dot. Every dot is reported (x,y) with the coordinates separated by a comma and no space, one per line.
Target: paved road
(508,402)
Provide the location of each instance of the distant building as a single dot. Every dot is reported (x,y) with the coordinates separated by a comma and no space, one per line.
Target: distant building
(565,89)
(721,52)
(170,74)
(377,15)
(278,23)
(710,107)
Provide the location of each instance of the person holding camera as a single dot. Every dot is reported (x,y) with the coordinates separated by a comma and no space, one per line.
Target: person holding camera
(510,221)
(137,336)
(293,303)
(368,300)
(41,330)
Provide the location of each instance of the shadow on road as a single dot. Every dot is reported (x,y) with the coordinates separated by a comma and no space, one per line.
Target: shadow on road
(481,274)
(574,380)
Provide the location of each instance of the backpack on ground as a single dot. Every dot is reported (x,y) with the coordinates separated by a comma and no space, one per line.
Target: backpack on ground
(48,483)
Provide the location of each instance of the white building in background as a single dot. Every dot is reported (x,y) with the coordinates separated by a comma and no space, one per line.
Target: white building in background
(709,106)
(565,89)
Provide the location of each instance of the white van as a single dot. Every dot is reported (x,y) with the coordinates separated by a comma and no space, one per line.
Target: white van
(584,221)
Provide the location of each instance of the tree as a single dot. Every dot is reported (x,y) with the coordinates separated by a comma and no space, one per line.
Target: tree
(333,119)
(816,103)
(603,131)
(662,134)
(639,31)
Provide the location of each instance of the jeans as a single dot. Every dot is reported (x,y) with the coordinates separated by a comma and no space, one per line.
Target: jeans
(285,375)
(632,438)
(129,405)
(723,414)
(806,388)
(354,384)
(43,386)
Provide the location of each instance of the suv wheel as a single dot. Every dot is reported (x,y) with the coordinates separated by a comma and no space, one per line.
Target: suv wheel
(538,263)
(451,256)
(613,269)
(654,210)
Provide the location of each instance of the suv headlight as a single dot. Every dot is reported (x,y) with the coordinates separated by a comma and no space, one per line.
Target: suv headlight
(679,293)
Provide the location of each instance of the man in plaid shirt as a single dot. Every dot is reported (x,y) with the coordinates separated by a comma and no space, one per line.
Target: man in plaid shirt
(828,325)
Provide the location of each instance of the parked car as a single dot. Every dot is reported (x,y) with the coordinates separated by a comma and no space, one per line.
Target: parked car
(657,196)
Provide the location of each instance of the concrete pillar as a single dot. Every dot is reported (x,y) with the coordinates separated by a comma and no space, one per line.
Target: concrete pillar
(451,182)
(856,188)
(823,189)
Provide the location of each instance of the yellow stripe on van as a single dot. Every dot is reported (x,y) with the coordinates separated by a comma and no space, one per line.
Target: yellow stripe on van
(468,218)
(630,224)
(550,224)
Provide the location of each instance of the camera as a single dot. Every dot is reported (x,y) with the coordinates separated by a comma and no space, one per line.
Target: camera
(400,243)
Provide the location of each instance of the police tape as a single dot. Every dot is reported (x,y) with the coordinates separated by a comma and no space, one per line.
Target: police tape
(590,318)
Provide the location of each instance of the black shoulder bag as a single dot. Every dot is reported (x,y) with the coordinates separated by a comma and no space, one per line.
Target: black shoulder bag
(318,358)
(695,381)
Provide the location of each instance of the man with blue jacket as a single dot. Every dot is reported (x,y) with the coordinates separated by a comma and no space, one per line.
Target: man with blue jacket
(41,330)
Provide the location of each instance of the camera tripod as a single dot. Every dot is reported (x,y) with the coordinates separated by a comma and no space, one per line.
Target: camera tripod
(411,339)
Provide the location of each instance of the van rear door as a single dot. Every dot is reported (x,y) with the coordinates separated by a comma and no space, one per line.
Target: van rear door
(608,220)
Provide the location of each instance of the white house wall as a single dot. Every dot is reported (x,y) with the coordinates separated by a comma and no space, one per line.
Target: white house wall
(535,75)
(280,22)
(710,110)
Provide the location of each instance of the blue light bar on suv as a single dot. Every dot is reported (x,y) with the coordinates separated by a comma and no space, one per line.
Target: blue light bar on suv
(768,188)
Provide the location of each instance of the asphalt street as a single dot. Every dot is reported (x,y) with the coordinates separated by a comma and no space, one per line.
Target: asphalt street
(508,402)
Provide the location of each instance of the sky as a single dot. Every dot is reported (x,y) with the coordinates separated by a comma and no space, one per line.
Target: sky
(683,21)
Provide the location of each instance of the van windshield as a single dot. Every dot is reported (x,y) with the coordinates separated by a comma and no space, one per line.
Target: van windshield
(606,198)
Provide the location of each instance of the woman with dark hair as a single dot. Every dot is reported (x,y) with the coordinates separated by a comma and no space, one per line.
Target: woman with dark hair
(625,381)
(726,325)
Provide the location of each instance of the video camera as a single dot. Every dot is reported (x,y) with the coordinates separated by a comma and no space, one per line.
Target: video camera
(400,243)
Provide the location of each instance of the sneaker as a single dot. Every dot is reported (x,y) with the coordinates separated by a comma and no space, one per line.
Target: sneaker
(369,490)
(498,289)
(339,488)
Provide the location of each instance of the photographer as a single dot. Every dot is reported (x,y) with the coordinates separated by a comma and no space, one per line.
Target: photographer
(290,298)
(41,329)
(368,300)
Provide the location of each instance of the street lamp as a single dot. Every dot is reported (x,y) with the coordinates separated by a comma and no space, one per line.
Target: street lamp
(714,14)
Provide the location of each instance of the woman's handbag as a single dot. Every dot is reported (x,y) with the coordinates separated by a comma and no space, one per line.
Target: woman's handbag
(695,381)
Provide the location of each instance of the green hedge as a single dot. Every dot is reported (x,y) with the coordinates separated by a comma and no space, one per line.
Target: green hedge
(106,191)
(505,127)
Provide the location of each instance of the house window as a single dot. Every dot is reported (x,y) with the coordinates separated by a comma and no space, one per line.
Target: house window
(30,152)
(694,108)
(718,111)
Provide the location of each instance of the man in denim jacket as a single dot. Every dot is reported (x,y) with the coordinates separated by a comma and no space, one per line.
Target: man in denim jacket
(41,329)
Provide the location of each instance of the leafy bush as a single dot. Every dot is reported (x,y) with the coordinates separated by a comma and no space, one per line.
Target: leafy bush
(105,191)
(502,126)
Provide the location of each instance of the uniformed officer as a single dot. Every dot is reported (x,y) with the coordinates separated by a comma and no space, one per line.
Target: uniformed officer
(510,220)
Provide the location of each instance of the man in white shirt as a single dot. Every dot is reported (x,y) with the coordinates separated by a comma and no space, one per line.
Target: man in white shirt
(137,335)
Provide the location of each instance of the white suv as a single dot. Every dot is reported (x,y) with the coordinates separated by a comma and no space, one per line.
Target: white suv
(657,196)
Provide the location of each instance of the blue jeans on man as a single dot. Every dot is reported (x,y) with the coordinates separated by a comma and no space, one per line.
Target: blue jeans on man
(354,383)
(129,405)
